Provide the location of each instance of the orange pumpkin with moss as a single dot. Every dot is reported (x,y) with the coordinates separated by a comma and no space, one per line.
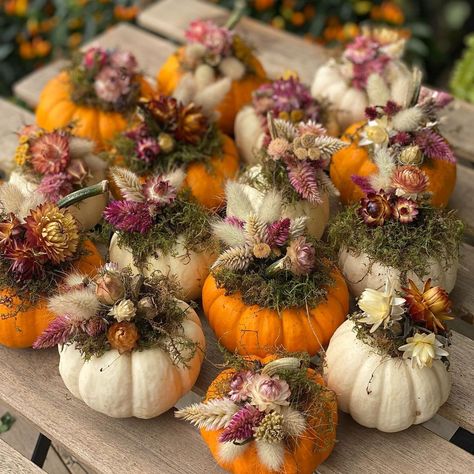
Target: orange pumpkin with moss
(56,109)
(355,160)
(260,331)
(240,92)
(20,331)
(302,456)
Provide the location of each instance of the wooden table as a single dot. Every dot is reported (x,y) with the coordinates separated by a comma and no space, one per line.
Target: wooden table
(30,382)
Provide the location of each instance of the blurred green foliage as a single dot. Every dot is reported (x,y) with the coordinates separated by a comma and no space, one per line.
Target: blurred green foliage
(462,81)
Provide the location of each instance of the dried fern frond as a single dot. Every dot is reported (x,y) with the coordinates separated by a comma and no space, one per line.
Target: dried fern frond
(408,120)
(235,258)
(128,183)
(79,305)
(211,415)
(377,90)
(230,234)
(328,146)
(270,208)
(298,226)
(238,202)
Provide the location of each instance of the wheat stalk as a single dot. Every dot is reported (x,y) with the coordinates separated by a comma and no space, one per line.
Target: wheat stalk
(211,415)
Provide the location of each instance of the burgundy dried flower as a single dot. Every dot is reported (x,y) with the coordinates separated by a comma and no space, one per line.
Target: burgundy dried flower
(25,262)
(302,176)
(363,182)
(58,332)
(239,386)
(129,216)
(401,138)
(10,228)
(391,108)
(147,149)
(409,180)
(241,425)
(159,191)
(50,153)
(278,232)
(163,110)
(375,209)
(301,255)
(405,210)
(111,84)
(95,326)
(55,186)
(434,146)
(138,132)
(371,113)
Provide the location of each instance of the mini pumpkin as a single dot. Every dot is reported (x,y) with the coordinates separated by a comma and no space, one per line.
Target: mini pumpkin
(302,452)
(97,95)
(206,61)
(383,378)
(250,298)
(113,357)
(158,228)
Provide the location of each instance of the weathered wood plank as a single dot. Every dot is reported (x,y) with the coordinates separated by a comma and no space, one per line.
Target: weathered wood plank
(12,462)
(278,50)
(150,51)
(461,198)
(413,450)
(31,384)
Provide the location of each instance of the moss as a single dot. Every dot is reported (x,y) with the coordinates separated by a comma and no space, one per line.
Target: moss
(183,154)
(183,217)
(281,290)
(436,235)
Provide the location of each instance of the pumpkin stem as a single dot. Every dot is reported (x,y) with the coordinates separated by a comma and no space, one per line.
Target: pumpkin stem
(285,363)
(277,266)
(235,15)
(84,193)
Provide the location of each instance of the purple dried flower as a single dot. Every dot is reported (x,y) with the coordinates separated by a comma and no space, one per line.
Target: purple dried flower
(138,132)
(438,99)
(111,84)
(217,40)
(278,232)
(363,182)
(159,191)
(241,425)
(129,216)
(94,56)
(58,332)
(95,326)
(302,176)
(239,386)
(55,186)
(301,255)
(371,113)
(434,146)
(232,220)
(124,60)
(361,50)
(401,138)
(391,108)
(147,149)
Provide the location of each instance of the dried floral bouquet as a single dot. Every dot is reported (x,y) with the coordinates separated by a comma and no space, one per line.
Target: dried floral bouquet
(127,346)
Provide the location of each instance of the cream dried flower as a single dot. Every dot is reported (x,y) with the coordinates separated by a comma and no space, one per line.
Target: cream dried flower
(277,148)
(269,393)
(124,310)
(422,349)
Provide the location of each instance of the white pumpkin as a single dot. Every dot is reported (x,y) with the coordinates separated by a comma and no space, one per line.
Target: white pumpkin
(380,391)
(318,214)
(88,212)
(361,273)
(249,134)
(143,384)
(190,268)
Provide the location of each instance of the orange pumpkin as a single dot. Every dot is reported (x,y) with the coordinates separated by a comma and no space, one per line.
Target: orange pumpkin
(21,331)
(355,160)
(303,457)
(206,180)
(56,109)
(260,331)
(240,92)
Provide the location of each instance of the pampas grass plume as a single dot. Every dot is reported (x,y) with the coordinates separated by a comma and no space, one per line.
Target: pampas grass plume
(79,305)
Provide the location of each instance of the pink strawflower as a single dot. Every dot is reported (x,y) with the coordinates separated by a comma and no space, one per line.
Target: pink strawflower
(405,210)
(375,208)
(434,146)
(302,176)
(239,386)
(129,216)
(147,149)
(278,148)
(217,40)
(438,99)
(362,50)
(159,191)
(137,133)
(301,255)
(94,57)
(410,180)
(58,332)
(124,60)
(50,153)
(278,232)
(311,127)
(55,186)
(241,425)
(111,84)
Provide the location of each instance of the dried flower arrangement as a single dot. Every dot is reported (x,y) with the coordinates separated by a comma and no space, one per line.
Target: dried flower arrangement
(56,163)
(120,316)
(406,334)
(213,58)
(159,226)
(39,242)
(268,266)
(396,231)
(372,57)
(258,411)
(406,127)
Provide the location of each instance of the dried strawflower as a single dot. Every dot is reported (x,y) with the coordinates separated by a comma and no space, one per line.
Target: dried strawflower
(111,84)
(129,216)
(278,148)
(95,326)
(240,385)
(147,149)
(124,60)
(159,191)
(422,349)
(405,210)
(431,306)
(53,230)
(123,336)
(10,228)
(409,180)
(109,288)
(217,40)
(163,109)
(50,153)
(25,262)
(94,57)
(242,424)
(55,186)
(269,393)
(192,124)
(301,256)
(375,209)
(124,310)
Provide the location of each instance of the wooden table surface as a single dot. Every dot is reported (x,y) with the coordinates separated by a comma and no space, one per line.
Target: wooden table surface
(30,381)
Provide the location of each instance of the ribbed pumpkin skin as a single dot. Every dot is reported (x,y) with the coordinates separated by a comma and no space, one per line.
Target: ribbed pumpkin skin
(304,458)
(56,109)
(21,331)
(355,160)
(260,331)
(239,94)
